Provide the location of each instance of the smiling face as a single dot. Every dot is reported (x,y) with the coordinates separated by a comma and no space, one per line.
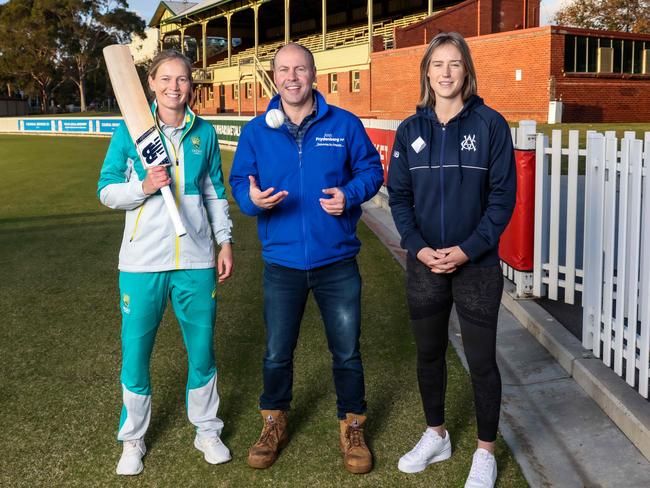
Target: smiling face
(294,75)
(172,85)
(447,73)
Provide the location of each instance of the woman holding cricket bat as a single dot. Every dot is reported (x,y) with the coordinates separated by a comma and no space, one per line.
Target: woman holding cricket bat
(156,265)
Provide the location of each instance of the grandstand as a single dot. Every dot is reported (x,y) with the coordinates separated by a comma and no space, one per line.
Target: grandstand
(343,43)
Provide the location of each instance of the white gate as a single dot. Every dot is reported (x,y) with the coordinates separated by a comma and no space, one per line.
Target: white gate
(616,303)
(592,236)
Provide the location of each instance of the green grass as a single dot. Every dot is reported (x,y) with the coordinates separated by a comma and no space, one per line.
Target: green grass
(60,353)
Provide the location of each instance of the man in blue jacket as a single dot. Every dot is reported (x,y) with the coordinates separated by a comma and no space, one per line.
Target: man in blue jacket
(305,182)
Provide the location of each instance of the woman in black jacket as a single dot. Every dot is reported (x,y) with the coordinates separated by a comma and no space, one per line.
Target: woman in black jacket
(451,184)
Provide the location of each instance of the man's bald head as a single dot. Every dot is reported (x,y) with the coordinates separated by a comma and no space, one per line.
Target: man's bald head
(295,45)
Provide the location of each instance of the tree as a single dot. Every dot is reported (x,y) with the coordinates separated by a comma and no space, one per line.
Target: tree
(86,27)
(616,15)
(28,47)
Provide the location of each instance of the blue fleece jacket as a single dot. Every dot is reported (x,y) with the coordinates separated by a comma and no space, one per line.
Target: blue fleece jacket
(336,152)
(453,184)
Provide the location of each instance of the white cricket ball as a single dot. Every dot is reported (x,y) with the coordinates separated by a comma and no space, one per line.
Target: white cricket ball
(274,118)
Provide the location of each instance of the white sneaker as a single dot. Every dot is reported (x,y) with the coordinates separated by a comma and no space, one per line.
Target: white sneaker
(430,449)
(214,451)
(484,470)
(131,460)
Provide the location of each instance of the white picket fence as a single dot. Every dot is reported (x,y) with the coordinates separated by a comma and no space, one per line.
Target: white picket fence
(592,240)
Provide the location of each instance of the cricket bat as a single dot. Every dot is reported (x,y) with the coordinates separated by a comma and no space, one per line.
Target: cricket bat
(139,120)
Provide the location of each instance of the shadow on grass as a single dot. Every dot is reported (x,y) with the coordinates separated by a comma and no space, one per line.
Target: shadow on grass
(57,217)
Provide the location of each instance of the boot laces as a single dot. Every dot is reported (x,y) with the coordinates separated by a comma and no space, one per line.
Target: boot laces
(269,432)
(355,435)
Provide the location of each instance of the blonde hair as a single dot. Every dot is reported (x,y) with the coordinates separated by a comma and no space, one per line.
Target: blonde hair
(427,96)
(163,57)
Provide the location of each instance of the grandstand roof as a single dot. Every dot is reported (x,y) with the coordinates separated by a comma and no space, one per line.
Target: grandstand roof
(174,7)
(204,5)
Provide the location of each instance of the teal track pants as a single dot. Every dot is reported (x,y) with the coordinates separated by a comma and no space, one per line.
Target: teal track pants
(143,298)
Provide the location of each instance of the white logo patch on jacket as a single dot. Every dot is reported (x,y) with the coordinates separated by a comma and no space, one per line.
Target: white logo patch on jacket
(418,144)
(469,143)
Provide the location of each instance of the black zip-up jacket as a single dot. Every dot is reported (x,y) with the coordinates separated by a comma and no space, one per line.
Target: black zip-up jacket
(453,184)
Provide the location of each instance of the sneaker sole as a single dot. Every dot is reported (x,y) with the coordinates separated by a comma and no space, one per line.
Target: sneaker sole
(417,468)
(211,460)
(130,474)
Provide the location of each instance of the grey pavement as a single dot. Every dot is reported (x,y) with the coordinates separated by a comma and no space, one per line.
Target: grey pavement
(558,434)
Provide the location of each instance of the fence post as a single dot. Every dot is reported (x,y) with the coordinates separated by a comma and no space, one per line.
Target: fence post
(593,238)
(634,252)
(622,257)
(609,243)
(571,221)
(644,294)
(541,215)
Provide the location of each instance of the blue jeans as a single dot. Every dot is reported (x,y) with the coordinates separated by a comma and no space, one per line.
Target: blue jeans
(337,290)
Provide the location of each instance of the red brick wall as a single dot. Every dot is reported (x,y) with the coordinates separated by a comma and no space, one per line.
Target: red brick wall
(356,102)
(471,18)
(496,58)
(395,86)
(598,98)
(589,98)
(460,18)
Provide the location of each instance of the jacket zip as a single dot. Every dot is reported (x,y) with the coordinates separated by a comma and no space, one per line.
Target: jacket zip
(302,210)
(442,187)
(177,193)
(137,221)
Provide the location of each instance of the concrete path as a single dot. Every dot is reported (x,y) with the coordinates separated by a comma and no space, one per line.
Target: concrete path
(557,433)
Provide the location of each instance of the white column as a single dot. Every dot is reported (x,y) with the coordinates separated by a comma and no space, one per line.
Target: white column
(287,22)
(204,43)
(228,17)
(324,14)
(369,27)
(256,9)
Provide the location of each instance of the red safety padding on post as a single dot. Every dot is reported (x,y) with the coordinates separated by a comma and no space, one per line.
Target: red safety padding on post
(517,243)
(383,140)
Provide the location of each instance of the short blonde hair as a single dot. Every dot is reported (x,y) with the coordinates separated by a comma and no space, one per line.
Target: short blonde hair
(427,96)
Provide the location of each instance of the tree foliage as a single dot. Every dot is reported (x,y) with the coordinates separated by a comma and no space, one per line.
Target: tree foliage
(28,47)
(615,15)
(45,43)
(87,26)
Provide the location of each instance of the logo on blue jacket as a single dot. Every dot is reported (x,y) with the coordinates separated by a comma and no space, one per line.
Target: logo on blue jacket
(469,143)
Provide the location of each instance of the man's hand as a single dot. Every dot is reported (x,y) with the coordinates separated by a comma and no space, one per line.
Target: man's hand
(264,199)
(157,177)
(334,205)
(225,262)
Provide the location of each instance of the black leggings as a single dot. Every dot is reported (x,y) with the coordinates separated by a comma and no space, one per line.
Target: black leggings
(476,292)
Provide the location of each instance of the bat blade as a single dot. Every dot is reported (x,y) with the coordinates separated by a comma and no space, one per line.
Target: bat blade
(138,118)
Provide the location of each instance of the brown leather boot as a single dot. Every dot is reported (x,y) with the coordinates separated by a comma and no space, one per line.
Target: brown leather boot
(356,455)
(273,438)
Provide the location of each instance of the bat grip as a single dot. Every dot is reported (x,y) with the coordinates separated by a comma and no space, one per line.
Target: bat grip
(173,211)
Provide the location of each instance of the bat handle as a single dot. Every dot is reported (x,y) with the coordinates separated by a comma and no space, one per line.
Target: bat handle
(173,211)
